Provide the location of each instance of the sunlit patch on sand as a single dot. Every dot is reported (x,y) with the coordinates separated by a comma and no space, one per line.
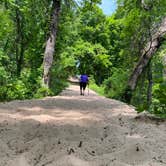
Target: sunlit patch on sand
(63,116)
(36,109)
(134,136)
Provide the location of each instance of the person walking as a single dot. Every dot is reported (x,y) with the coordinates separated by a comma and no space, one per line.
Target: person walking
(83,83)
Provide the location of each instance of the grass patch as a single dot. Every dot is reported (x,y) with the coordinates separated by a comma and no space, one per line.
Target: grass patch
(98,89)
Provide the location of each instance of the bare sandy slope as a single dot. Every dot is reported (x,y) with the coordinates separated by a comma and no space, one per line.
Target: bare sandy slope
(74,130)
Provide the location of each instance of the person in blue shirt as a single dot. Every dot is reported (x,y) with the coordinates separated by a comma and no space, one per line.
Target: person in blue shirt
(83,83)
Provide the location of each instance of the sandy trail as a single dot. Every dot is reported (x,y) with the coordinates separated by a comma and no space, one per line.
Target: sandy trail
(74,130)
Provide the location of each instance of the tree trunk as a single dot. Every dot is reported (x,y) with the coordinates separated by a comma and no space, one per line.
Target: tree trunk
(150,84)
(164,69)
(19,42)
(141,88)
(147,54)
(50,44)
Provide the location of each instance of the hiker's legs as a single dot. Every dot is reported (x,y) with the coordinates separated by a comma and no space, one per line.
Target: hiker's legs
(81,87)
(84,87)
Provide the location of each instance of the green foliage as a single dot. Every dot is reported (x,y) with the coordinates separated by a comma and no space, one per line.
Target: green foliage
(3,82)
(94,27)
(158,109)
(93,59)
(114,85)
(95,87)
(42,92)
(24,87)
(3,76)
(159,91)
(32,81)
(158,106)
(22,31)
(16,90)
(6,24)
(58,78)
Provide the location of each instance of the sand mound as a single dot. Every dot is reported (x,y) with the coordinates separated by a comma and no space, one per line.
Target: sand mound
(74,130)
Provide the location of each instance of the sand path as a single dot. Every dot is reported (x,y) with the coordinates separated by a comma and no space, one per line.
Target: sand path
(74,130)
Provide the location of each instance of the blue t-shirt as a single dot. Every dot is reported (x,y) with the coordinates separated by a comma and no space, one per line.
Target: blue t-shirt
(84,78)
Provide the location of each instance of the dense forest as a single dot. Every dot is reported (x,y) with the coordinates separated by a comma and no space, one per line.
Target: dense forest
(44,42)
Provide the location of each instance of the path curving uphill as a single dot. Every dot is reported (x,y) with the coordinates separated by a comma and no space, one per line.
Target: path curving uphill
(74,130)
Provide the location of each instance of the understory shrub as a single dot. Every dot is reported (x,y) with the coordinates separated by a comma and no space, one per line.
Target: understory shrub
(115,85)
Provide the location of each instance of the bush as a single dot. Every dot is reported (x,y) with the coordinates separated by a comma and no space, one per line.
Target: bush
(59,76)
(24,87)
(16,90)
(42,92)
(115,85)
(96,88)
(158,106)
(158,109)
(159,91)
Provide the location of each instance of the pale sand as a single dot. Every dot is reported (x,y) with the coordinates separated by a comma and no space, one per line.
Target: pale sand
(74,130)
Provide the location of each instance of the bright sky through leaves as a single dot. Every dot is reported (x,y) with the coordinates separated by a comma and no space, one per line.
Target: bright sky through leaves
(108,6)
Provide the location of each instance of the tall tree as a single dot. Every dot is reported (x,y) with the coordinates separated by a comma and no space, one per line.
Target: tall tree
(19,41)
(151,47)
(50,44)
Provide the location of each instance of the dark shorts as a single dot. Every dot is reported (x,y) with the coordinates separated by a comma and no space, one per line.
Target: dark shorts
(83,85)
